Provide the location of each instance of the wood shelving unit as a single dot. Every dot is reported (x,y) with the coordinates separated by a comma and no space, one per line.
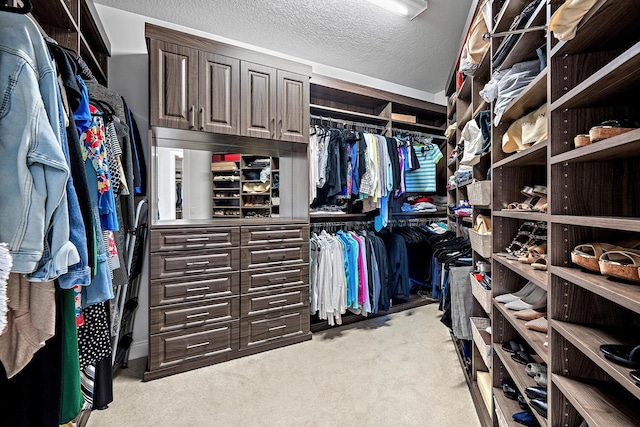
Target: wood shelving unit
(533,156)
(535,339)
(507,406)
(535,94)
(525,270)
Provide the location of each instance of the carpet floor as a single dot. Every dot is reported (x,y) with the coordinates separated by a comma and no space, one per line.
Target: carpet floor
(395,370)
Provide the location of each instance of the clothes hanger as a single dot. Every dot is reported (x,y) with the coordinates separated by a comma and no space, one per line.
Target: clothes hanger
(26,8)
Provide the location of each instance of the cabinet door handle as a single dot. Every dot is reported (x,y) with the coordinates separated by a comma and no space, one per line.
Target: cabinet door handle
(197,239)
(278,301)
(273,128)
(201,118)
(203,288)
(277,279)
(189,264)
(202,344)
(280,128)
(277,327)
(192,114)
(193,316)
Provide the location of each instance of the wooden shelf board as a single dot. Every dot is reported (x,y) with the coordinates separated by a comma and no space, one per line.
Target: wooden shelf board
(483,106)
(598,406)
(507,406)
(334,217)
(527,43)
(535,339)
(588,341)
(347,113)
(483,71)
(417,126)
(256,194)
(55,14)
(87,53)
(538,277)
(520,378)
(226,198)
(619,147)
(533,96)
(256,207)
(616,77)
(509,10)
(619,223)
(465,117)
(625,294)
(527,216)
(535,155)
(464,93)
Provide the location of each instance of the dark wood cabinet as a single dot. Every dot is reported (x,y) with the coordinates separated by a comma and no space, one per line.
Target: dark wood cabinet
(174,85)
(219,106)
(293,107)
(258,101)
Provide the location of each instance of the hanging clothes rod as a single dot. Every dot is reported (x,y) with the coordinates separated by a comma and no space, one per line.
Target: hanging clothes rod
(486,36)
(347,122)
(418,133)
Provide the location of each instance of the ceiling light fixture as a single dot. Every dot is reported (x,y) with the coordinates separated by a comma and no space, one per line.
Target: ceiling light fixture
(409,8)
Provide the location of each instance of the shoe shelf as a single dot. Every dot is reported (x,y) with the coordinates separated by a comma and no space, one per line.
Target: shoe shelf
(533,96)
(598,404)
(606,21)
(525,48)
(527,216)
(588,340)
(505,407)
(620,147)
(631,225)
(618,76)
(519,377)
(538,277)
(535,155)
(534,339)
(621,293)
(482,339)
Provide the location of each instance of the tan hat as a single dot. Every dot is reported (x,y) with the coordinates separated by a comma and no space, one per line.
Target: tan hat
(534,126)
(565,20)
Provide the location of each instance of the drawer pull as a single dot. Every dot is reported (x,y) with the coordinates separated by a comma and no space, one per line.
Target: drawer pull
(193,316)
(280,256)
(202,344)
(278,301)
(277,279)
(189,264)
(203,288)
(197,239)
(277,327)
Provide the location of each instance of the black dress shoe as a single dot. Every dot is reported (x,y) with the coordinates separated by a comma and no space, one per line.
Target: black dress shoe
(635,375)
(522,358)
(522,403)
(540,406)
(536,393)
(510,391)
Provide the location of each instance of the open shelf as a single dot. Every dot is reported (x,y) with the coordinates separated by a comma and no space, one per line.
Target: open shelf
(625,294)
(339,113)
(520,378)
(510,10)
(464,93)
(527,216)
(618,76)
(588,341)
(535,155)
(534,95)
(55,14)
(483,106)
(620,223)
(507,406)
(465,117)
(597,405)
(417,126)
(527,43)
(535,339)
(619,147)
(538,277)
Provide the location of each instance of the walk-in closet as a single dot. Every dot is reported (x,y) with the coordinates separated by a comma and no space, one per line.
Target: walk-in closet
(285,213)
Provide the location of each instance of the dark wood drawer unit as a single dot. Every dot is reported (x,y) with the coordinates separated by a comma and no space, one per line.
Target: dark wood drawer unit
(269,302)
(177,239)
(174,348)
(268,279)
(174,291)
(177,264)
(189,315)
(274,255)
(263,330)
(264,235)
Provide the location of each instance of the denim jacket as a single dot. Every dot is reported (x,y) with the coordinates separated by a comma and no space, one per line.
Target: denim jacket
(34,218)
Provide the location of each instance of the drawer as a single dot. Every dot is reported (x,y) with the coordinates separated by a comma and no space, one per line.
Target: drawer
(274,255)
(189,315)
(177,239)
(263,235)
(271,327)
(178,347)
(267,279)
(176,264)
(269,302)
(174,291)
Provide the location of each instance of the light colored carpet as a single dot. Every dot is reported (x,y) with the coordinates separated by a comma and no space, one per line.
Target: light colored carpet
(397,370)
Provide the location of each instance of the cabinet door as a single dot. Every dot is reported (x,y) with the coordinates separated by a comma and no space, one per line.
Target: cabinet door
(293,107)
(174,85)
(258,100)
(219,82)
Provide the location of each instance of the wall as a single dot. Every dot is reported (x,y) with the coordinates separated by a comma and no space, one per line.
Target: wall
(129,75)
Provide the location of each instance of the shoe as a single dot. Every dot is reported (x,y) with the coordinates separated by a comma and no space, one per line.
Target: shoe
(537,300)
(510,391)
(539,325)
(635,375)
(525,418)
(587,255)
(626,355)
(526,290)
(512,346)
(522,358)
(530,314)
(540,406)
(533,369)
(522,403)
(536,393)
(541,379)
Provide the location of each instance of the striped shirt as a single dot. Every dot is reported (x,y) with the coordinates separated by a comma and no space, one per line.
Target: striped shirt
(423,180)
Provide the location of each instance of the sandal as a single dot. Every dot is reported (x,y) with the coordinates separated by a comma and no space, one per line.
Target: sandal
(587,255)
(626,355)
(611,128)
(531,199)
(536,205)
(621,263)
(535,252)
(541,263)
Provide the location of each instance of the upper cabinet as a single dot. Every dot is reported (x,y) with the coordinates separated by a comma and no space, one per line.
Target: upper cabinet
(199,84)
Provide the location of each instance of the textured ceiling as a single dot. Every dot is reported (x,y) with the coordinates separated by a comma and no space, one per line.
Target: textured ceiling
(347,34)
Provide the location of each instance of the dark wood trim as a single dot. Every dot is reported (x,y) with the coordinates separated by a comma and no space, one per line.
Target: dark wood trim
(320,80)
(172,36)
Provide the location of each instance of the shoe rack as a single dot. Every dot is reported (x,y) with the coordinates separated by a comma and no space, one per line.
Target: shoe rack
(593,193)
